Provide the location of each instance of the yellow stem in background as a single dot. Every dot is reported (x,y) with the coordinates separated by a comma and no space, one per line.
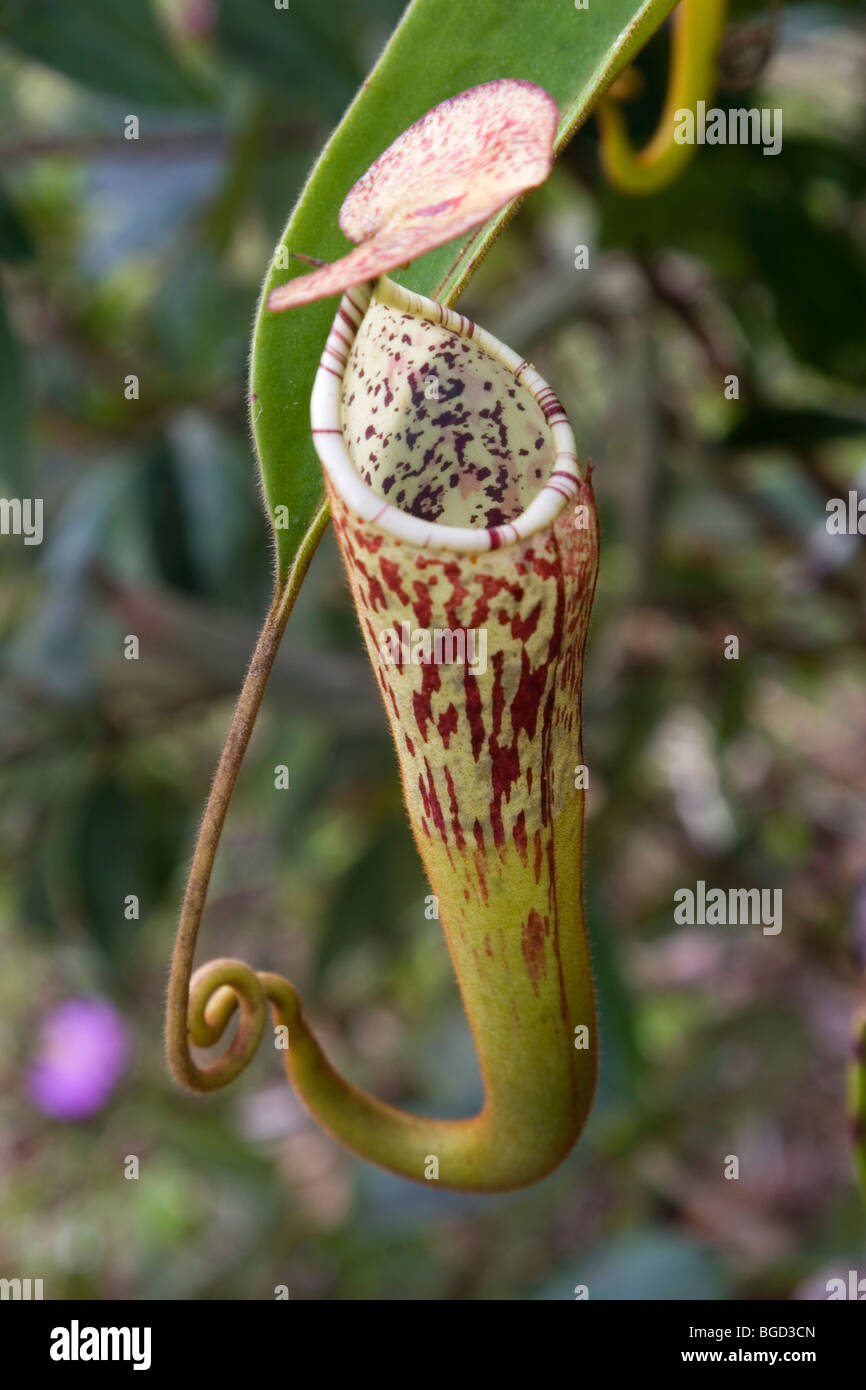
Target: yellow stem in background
(697,30)
(857,1100)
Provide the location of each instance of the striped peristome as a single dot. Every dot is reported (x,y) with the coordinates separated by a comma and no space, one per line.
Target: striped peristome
(351,407)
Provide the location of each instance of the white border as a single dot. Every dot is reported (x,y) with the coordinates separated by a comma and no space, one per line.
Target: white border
(325,417)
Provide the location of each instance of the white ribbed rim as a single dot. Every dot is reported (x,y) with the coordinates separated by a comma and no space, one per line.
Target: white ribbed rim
(325,414)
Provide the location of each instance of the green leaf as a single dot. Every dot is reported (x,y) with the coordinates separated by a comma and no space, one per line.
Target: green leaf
(16,243)
(125,841)
(168,524)
(767,427)
(574,54)
(117,48)
(822,318)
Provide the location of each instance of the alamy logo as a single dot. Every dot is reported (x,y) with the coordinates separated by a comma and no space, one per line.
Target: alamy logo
(855,1288)
(76,1343)
(402,646)
(846,517)
(22,517)
(21,1289)
(737,126)
(741,907)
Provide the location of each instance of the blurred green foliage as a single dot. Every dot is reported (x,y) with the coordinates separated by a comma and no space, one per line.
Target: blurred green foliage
(144,258)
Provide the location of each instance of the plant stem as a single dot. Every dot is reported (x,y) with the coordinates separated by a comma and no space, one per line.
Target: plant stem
(182,1065)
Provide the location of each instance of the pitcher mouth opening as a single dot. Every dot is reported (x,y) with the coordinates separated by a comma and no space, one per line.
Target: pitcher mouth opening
(511,477)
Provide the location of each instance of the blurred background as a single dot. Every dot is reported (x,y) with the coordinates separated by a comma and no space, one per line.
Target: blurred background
(144,258)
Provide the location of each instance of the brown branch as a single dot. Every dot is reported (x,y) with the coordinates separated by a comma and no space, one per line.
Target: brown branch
(167,144)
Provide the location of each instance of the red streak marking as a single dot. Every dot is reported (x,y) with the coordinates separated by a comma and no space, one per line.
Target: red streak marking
(546,787)
(479,858)
(455,810)
(458,593)
(505,763)
(491,586)
(435,808)
(520,836)
(501,938)
(496,823)
(375,592)
(527,697)
(523,628)
(535,931)
(423,607)
(422,699)
(435,208)
(563,1000)
(447,725)
(473,713)
(391,575)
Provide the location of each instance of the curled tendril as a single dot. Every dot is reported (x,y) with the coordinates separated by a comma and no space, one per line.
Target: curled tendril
(697,31)
(200,1006)
(217,991)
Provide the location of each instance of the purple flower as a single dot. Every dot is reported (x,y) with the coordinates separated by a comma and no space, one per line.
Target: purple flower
(83,1050)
